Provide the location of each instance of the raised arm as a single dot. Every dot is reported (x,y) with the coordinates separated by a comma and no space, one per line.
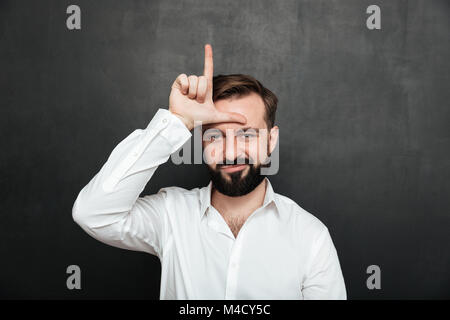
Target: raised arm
(108,207)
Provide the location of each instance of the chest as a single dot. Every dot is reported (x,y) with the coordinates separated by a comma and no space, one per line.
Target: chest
(261,260)
(235,223)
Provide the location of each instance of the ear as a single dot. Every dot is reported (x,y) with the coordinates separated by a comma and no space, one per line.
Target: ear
(273,138)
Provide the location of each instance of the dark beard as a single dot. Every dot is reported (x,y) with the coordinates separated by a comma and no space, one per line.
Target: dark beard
(238,186)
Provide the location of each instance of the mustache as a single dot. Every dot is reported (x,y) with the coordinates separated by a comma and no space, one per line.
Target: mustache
(236,161)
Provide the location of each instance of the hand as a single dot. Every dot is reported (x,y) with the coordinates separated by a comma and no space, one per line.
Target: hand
(191,98)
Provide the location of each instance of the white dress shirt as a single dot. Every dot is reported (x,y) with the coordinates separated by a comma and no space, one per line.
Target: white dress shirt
(281,251)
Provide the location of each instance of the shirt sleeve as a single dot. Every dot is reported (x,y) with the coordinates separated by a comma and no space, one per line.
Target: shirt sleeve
(108,207)
(324,280)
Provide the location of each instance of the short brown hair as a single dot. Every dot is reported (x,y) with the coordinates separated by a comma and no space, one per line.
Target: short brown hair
(231,85)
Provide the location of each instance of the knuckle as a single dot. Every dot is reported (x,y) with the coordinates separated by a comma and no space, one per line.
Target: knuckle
(182,79)
(193,78)
(200,95)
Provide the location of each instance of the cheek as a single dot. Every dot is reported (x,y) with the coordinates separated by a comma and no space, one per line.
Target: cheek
(258,150)
(252,150)
(212,153)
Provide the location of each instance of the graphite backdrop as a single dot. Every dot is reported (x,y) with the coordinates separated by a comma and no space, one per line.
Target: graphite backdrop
(363,114)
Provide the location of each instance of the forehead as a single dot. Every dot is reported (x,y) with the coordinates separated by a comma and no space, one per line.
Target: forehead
(251,106)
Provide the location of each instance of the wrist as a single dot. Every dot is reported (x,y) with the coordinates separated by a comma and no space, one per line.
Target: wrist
(185,121)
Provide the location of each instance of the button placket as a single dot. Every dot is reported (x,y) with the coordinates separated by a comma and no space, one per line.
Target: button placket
(233,268)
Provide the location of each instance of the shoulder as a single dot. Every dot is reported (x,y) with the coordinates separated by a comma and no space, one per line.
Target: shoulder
(299,217)
(178,199)
(173,195)
(173,202)
(180,192)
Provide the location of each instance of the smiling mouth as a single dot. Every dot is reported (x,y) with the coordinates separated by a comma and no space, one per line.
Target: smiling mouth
(233,168)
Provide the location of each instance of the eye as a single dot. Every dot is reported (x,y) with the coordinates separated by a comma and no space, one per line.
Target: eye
(246,135)
(214,136)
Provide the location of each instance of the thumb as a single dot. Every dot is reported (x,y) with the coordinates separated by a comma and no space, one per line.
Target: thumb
(229,117)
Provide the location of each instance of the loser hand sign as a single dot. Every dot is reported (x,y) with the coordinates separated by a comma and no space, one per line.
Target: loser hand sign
(191,98)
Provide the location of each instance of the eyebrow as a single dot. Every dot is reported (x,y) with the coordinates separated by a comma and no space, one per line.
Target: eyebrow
(247,128)
(239,129)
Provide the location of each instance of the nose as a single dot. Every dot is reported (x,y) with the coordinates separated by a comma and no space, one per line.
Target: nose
(232,148)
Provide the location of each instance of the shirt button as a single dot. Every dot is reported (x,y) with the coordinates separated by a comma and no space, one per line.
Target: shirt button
(164,120)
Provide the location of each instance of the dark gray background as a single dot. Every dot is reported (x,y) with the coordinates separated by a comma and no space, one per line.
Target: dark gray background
(364,119)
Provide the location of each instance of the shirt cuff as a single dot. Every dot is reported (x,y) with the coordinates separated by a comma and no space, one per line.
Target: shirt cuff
(173,129)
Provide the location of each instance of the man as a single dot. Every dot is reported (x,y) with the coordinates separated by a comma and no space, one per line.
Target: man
(233,239)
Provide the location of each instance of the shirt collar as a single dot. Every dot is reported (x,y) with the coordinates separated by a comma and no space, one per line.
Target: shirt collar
(205,197)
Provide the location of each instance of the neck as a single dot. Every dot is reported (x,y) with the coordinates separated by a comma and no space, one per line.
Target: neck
(242,206)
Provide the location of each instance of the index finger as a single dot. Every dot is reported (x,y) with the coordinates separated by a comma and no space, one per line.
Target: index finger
(209,69)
